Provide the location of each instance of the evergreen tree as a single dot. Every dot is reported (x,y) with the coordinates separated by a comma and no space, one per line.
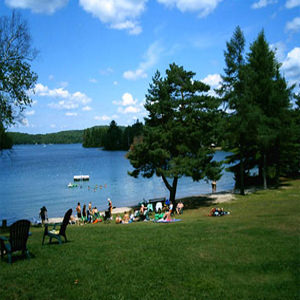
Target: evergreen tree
(237,104)
(113,137)
(268,90)
(177,135)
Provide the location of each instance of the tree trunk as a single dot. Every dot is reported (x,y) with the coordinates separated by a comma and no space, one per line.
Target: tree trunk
(265,170)
(242,174)
(172,189)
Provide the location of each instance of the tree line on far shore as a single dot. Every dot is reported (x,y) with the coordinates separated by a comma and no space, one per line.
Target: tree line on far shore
(112,137)
(62,137)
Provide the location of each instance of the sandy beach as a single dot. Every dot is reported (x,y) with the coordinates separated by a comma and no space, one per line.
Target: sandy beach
(213,198)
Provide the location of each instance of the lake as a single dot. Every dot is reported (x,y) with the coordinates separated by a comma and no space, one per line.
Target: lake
(32,176)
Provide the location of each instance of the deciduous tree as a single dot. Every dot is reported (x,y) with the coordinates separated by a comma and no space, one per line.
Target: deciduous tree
(16,76)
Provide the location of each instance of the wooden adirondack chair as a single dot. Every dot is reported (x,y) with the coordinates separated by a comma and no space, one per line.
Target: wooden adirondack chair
(55,233)
(17,240)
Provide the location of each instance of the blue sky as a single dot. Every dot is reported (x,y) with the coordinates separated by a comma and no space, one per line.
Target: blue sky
(97,57)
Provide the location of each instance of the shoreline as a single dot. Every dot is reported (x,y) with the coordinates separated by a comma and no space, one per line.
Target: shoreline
(214,198)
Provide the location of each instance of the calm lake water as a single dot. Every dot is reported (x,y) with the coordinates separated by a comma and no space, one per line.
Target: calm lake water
(35,175)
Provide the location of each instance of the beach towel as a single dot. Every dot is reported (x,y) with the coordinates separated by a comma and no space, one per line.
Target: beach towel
(167,221)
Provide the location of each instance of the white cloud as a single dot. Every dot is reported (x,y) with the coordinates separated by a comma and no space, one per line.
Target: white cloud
(291,65)
(214,81)
(129,110)
(63,105)
(53,125)
(204,7)
(292,3)
(133,75)
(86,108)
(71,114)
(93,80)
(30,112)
(118,14)
(128,104)
(38,6)
(69,100)
(279,49)
(127,99)
(115,83)
(262,3)
(293,25)
(150,59)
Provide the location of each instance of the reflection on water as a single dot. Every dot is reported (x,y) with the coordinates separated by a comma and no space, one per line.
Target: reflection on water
(33,175)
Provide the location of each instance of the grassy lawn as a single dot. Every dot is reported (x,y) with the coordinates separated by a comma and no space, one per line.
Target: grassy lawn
(253,253)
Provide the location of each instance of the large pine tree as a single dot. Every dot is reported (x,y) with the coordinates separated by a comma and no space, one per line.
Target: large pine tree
(268,90)
(178,131)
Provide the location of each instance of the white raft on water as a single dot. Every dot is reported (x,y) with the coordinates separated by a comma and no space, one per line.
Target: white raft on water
(81,177)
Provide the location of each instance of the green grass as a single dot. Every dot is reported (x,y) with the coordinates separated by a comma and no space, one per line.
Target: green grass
(251,254)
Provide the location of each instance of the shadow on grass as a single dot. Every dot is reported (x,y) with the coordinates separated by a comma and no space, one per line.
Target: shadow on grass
(195,202)
(55,242)
(17,256)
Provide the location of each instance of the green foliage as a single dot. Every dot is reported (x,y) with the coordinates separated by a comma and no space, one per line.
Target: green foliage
(113,137)
(178,131)
(62,137)
(259,129)
(16,76)
(94,137)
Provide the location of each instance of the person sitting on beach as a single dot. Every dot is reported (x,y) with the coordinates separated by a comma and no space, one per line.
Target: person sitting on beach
(125,218)
(167,215)
(179,208)
(136,216)
(72,220)
(143,213)
(218,212)
(118,219)
(43,214)
(109,212)
(95,216)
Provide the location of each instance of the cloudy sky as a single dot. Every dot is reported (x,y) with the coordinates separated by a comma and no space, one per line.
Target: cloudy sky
(97,57)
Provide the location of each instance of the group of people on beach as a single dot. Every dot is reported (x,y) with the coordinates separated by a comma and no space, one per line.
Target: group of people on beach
(142,214)
(218,212)
(91,214)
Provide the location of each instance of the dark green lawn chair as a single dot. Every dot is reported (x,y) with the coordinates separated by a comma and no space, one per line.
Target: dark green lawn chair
(17,240)
(55,233)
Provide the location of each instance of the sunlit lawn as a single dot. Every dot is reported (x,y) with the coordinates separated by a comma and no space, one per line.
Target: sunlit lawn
(253,253)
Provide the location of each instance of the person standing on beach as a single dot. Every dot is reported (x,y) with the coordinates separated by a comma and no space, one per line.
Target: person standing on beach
(43,214)
(214,186)
(109,207)
(78,209)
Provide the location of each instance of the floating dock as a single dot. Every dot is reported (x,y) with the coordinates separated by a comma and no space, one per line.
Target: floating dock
(81,177)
